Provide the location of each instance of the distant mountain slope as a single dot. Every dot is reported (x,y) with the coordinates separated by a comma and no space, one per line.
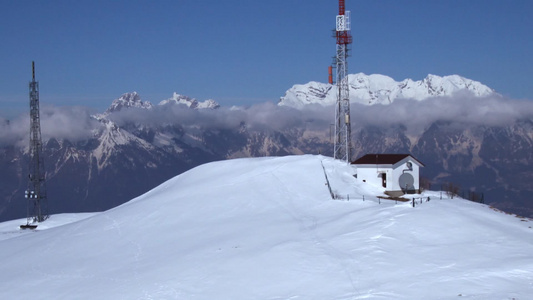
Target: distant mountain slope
(381,89)
(266,228)
(134,146)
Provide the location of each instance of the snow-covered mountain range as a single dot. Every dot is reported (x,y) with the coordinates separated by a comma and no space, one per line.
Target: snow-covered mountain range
(136,145)
(381,89)
(129,100)
(267,228)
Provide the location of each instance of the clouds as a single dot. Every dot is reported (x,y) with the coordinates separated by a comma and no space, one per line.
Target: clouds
(462,108)
(264,116)
(76,123)
(14,132)
(71,123)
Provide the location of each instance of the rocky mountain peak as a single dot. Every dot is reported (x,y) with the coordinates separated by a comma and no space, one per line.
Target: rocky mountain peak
(128,100)
(190,102)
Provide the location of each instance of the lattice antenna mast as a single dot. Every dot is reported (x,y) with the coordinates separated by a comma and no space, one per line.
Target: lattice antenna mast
(343,128)
(36,192)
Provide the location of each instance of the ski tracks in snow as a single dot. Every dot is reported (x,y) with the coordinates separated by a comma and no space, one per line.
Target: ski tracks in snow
(136,255)
(309,224)
(158,290)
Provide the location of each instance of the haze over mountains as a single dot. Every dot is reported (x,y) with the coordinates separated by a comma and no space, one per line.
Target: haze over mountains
(461,130)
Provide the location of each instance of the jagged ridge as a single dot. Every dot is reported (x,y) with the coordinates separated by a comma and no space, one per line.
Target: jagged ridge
(381,89)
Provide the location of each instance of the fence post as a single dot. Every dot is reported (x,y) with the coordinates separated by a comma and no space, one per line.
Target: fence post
(413,202)
(333,196)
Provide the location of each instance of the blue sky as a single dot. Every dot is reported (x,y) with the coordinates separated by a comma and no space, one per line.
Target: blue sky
(241,52)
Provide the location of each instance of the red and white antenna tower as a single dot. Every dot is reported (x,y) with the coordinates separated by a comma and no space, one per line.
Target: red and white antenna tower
(343,128)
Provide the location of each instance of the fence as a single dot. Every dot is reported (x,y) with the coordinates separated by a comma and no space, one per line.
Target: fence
(453,190)
(449,188)
(419,200)
(414,201)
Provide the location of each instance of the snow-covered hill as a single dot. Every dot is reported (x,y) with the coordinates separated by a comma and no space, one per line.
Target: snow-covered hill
(381,89)
(267,228)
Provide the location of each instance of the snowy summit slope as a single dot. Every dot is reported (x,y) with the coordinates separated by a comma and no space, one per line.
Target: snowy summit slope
(266,228)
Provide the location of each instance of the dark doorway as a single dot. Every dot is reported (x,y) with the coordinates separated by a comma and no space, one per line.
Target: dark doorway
(384,179)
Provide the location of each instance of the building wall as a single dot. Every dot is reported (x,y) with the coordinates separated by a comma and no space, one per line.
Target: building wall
(371,174)
(400,168)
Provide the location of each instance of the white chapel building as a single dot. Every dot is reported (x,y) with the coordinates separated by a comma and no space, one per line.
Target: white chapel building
(397,173)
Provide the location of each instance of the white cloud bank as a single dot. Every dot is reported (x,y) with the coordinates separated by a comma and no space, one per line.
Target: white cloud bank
(76,123)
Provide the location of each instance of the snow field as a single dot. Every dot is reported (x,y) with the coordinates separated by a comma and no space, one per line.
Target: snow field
(267,228)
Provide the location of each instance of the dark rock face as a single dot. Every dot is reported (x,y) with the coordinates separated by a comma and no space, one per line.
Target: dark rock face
(493,160)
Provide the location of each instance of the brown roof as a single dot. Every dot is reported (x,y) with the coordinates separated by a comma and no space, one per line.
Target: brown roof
(382,159)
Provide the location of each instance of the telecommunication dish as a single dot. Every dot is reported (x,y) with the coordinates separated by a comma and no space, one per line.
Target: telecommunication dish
(406,182)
